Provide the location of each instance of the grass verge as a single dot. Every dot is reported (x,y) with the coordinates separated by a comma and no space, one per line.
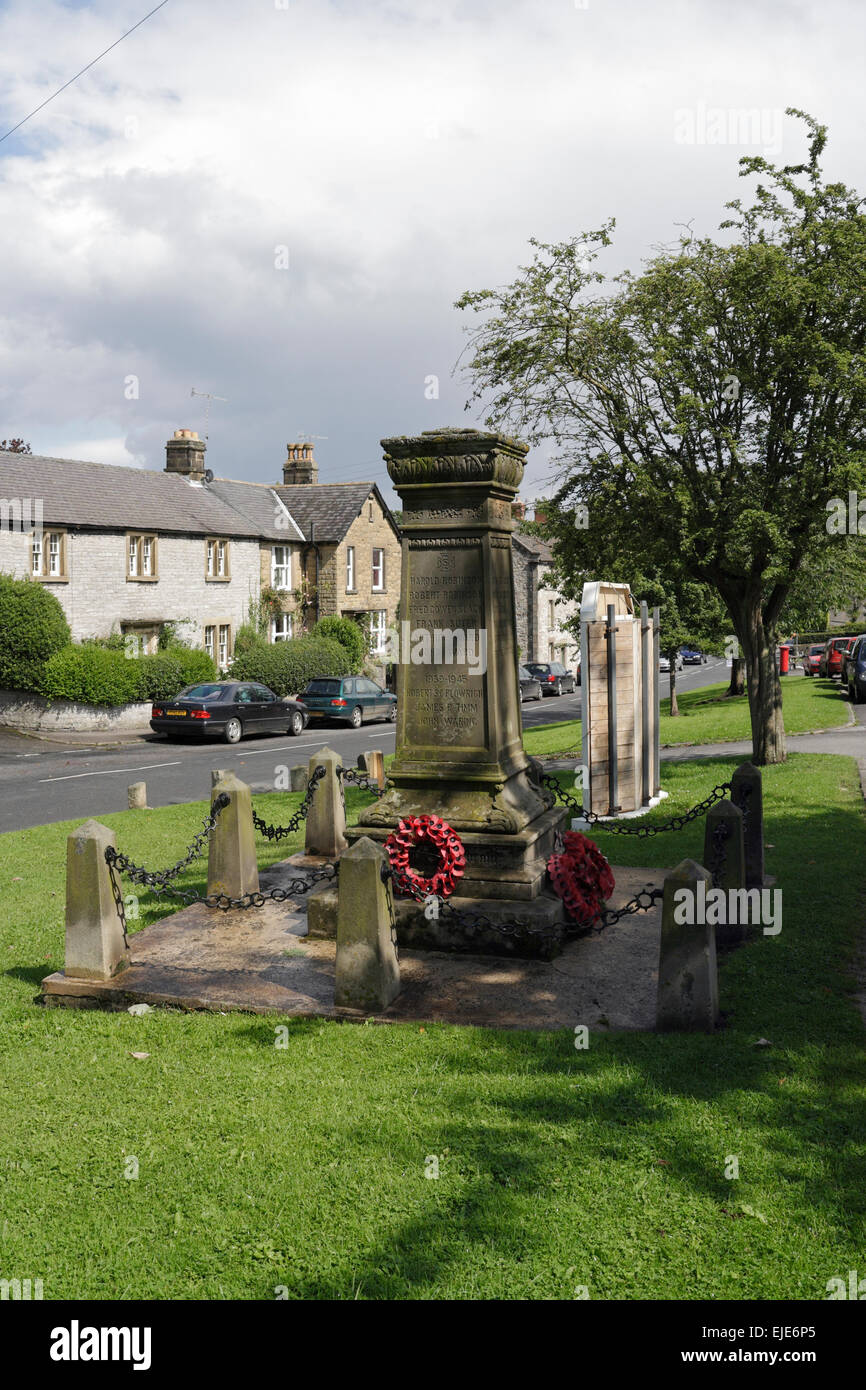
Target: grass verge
(303,1168)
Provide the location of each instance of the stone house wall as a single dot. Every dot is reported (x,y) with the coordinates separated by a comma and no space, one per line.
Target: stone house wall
(98,598)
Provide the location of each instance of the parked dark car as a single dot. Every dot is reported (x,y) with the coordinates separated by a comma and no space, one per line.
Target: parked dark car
(693,658)
(847,653)
(351,699)
(856,677)
(530,686)
(229,710)
(554,678)
(812,660)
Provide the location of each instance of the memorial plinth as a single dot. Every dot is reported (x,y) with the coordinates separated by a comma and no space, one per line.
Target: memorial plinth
(459,748)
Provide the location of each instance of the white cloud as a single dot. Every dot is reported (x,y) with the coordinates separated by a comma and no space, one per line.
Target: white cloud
(402,152)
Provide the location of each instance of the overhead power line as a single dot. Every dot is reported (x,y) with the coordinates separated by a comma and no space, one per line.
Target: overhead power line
(81,74)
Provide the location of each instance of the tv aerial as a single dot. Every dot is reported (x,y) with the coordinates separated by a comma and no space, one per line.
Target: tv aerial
(209,396)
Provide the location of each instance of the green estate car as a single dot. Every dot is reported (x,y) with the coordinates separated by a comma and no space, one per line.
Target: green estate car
(352,699)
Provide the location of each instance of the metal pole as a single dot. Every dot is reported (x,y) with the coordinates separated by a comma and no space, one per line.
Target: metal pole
(656,777)
(645,728)
(612,785)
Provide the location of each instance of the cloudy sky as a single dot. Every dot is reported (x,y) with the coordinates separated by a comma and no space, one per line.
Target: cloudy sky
(278,201)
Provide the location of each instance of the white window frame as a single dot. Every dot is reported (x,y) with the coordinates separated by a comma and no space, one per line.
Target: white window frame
(224,644)
(211,559)
(350,569)
(222,553)
(378,620)
(55,555)
(147,557)
(210,645)
(284,620)
(36,554)
(281,574)
(378,588)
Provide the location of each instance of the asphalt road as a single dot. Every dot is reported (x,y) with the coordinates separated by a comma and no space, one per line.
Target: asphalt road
(42,781)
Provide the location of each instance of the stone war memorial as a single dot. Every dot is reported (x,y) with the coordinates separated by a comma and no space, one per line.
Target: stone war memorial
(459,751)
(467,849)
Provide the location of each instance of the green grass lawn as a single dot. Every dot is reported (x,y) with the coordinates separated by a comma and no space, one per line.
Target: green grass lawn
(708,716)
(304,1167)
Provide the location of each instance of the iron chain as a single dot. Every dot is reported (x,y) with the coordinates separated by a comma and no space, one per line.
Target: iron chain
(279,832)
(641,831)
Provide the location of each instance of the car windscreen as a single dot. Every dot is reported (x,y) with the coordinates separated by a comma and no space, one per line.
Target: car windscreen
(535,666)
(815,651)
(203,692)
(323,688)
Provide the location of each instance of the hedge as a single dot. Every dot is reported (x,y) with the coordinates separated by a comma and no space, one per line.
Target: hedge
(287,667)
(33,627)
(96,675)
(348,634)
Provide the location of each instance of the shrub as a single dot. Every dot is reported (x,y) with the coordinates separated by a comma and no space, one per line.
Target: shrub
(97,675)
(286,667)
(92,675)
(166,673)
(348,634)
(247,638)
(33,627)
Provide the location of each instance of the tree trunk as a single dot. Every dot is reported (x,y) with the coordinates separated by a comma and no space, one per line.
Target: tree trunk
(738,679)
(764,689)
(675,709)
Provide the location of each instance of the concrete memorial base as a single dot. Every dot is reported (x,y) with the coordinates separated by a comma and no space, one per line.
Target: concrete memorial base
(543,914)
(259,961)
(511,868)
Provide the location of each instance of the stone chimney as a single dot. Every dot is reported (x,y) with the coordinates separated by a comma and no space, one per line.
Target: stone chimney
(300,466)
(185,454)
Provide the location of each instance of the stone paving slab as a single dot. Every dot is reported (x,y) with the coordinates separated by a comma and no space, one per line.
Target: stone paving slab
(260,961)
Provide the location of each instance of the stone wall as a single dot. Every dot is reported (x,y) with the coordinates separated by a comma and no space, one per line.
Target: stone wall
(20,710)
(97,596)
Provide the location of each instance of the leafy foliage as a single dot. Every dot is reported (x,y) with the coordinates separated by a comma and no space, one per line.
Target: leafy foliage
(716,402)
(98,675)
(286,667)
(33,627)
(348,633)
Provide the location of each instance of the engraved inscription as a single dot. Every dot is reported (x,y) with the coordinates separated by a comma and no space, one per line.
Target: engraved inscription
(445,705)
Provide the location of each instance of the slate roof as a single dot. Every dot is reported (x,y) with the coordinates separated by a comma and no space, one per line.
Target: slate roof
(537,548)
(259,504)
(331,506)
(105,496)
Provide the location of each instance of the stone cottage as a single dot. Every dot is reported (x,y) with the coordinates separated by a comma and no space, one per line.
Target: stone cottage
(131,550)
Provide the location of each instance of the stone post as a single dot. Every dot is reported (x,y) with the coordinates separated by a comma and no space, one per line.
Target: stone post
(724,857)
(95,948)
(374,765)
(298,779)
(688,987)
(326,819)
(747,793)
(367,969)
(136,796)
(231,864)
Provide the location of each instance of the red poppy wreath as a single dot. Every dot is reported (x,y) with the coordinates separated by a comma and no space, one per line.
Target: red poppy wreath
(581,877)
(437,834)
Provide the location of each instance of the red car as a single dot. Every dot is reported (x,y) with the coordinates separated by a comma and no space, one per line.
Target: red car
(831,661)
(812,660)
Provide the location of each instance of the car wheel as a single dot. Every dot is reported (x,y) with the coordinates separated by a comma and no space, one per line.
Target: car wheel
(297,725)
(557,689)
(233,731)
(392,713)
(356,718)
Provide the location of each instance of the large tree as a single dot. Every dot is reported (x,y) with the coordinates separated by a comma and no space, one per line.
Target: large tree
(718,398)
